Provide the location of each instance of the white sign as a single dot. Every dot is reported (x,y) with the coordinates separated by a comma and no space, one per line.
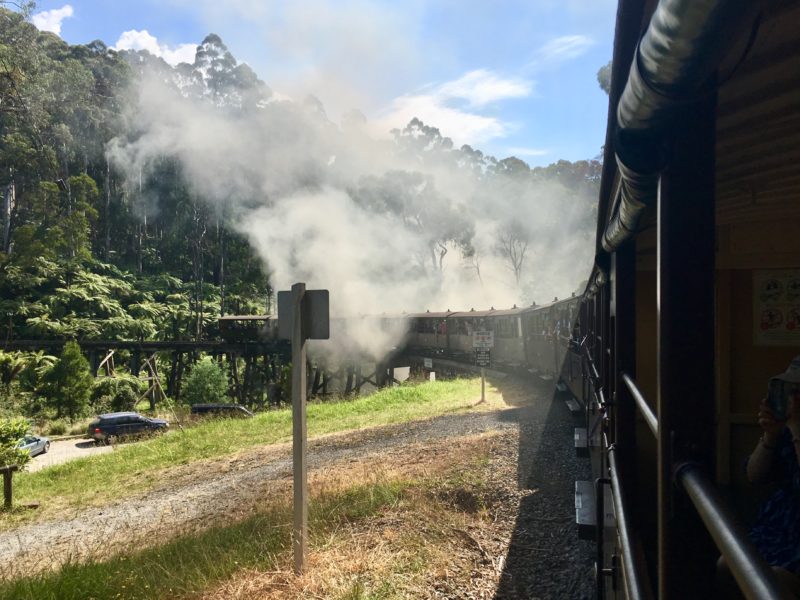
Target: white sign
(483,339)
(427,363)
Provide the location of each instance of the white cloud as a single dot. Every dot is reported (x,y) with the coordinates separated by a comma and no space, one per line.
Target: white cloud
(482,87)
(462,126)
(443,106)
(520,151)
(564,48)
(50,20)
(143,40)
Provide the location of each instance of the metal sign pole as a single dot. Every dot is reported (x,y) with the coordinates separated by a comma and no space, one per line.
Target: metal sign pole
(299,428)
(302,315)
(483,384)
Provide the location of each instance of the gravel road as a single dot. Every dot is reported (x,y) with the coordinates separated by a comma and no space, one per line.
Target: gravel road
(62,451)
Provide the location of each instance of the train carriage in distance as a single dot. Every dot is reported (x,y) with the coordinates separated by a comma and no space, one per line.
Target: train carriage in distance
(506,325)
(247,328)
(548,329)
(534,339)
(428,330)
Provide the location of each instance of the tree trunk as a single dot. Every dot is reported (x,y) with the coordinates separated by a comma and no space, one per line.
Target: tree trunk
(107,190)
(221,276)
(9,200)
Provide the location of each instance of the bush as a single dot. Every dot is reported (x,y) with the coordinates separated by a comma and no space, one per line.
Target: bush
(125,399)
(69,383)
(11,432)
(57,427)
(206,383)
(115,393)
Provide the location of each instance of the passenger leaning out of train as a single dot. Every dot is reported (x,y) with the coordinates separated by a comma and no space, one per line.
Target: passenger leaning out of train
(776,460)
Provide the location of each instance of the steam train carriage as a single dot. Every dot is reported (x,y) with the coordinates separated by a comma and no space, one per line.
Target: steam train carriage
(245,328)
(694,300)
(534,338)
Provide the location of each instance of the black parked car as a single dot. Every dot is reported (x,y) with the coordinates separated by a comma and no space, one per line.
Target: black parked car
(121,424)
(221,410)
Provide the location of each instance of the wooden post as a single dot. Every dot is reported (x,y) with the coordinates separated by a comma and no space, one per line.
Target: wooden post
(359,378)
(348,387)
(483,384)
(234,370)
(135,362)
(299,429)
(7,472)
(317,380)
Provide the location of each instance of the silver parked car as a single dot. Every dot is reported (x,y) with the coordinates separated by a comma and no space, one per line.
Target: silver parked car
(35,445)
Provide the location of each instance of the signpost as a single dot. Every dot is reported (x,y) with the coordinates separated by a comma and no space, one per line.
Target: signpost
(302,315)
(483,342)
(483,358)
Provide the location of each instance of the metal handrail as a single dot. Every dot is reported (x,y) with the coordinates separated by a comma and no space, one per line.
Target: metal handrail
(752,573)
(594,374)
(641,403)
(637,583)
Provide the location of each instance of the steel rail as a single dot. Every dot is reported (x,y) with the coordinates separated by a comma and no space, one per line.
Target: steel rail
(637,583)
(641,403)
(752,573)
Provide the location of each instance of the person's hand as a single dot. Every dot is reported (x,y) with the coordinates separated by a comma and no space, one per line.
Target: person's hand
(771,426)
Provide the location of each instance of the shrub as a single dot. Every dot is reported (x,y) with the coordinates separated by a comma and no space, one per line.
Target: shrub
(69,383)
(11,432)
(115,393)
(57,427)
(125,399)
(206,383)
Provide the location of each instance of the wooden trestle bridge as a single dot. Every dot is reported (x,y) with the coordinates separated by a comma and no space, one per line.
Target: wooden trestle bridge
(263,361)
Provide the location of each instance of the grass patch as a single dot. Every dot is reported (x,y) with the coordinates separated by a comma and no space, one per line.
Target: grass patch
(193,563)
(388,535)
(99,479)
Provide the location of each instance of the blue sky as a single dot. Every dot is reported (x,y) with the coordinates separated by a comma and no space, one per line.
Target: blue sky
(508,77)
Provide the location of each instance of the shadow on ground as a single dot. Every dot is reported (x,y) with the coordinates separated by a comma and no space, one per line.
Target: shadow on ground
(545,558)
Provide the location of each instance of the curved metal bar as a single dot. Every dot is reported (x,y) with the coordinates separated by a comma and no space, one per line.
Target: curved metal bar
(674,62)
(752,573)
(637,583)
(644,408)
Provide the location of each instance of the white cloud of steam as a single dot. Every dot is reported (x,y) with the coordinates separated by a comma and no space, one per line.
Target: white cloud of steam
(441,105)
(324,237)
(50,20)
(144,40)
(271,168)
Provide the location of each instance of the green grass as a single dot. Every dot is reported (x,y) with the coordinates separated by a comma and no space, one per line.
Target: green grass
(196,562)
(138,467)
